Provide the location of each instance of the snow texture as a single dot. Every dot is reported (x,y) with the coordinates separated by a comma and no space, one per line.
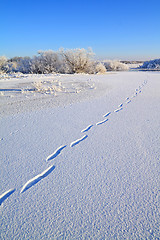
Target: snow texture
(107,186)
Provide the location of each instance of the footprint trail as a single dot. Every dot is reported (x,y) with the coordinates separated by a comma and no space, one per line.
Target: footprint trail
(78,141)
(99,123)
(87,128)
(118,109)
(120,105)
(37,178)
(45,173)
(107,114)
(5,195)
(56,153)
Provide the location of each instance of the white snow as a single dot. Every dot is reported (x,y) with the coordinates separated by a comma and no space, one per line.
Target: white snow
(105,187)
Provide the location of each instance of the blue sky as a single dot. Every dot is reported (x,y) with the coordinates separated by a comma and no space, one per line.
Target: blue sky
(114,29)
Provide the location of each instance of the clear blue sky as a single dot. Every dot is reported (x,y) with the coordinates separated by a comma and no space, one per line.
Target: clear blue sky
(114,29)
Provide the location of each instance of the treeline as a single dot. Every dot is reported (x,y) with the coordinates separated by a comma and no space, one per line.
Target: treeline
(151,65)
(62,61)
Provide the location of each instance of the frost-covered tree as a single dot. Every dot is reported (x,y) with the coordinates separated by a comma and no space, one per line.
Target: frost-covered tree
(152,65)
(113,65)
(3,61)
(100,68)
(78,60)
(17,64)
(24,65)
(10,67)
(15,59)
(63,61)
(46,62)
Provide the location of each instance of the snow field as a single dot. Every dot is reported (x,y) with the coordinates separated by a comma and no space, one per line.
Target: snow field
(102,188)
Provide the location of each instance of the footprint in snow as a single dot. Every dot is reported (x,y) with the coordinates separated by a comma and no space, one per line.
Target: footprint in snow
(5,195)
(78,141)
(87,128)
(120,105)
(101,122)
(107,114)
(12,133)
(118,109)
(128,101)
(37,178)
(56,153)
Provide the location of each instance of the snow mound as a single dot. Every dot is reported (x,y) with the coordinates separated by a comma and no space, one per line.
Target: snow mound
(113,65)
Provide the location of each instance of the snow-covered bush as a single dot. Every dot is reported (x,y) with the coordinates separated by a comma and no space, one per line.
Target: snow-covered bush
(10,67)
(78,60)
(17,64)
(24,65)
(113,65)
(3,61)
(47,62)
(100,68)
(63,61)
(151,65)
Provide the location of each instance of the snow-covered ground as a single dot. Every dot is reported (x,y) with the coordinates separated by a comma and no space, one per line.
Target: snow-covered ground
(133,66)
(80,156)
